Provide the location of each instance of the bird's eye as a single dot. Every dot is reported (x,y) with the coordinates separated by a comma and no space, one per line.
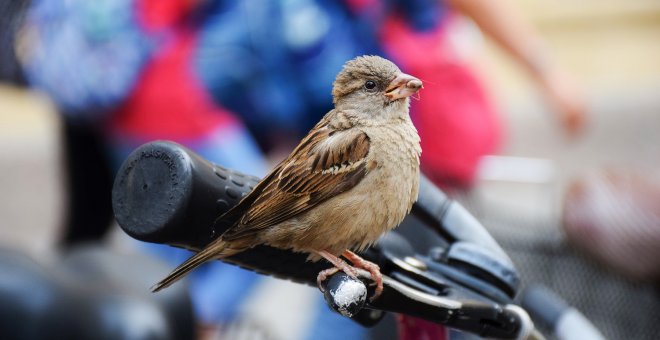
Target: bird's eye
(370,85)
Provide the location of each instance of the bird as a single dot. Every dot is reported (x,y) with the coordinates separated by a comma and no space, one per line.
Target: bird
(353,177)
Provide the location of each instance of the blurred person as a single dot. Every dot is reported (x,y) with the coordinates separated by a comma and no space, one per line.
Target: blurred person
(285,58)
(86,58)
(121,78)
(457,120)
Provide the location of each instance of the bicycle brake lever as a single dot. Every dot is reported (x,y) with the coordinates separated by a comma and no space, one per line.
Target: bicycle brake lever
(457,309)
(424,287)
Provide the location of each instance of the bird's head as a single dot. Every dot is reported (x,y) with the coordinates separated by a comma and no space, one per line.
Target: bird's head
(374,86)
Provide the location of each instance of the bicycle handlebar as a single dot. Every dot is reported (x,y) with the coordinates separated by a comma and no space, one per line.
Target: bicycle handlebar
(165,193)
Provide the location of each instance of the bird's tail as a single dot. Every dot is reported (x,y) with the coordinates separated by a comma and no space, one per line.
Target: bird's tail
(216,250)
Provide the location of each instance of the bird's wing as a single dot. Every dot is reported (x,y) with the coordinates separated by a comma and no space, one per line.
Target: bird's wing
(326,163)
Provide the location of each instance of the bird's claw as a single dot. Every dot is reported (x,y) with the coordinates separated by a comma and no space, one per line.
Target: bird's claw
(351,271)
(323,275)
(372,268)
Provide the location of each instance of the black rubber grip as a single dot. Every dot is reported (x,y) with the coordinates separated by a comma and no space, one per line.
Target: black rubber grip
(165,193)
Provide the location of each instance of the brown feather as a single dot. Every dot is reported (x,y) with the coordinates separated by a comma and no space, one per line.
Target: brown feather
(309,176)
(213,251)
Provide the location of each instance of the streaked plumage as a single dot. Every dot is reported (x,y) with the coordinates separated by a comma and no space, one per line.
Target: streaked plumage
(352,178)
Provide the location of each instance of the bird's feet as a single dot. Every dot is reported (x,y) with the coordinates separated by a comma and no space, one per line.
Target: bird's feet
(371,267)
(338,264)
(358,262)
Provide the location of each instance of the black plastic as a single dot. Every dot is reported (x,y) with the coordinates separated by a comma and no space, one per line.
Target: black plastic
(345,294)
(481,262)
(91,293)
(165,193)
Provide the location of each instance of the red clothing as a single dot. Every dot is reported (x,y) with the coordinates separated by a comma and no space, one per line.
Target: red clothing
(169,100)
(456,120)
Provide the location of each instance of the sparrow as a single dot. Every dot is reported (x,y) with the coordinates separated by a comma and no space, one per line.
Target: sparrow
(354,177)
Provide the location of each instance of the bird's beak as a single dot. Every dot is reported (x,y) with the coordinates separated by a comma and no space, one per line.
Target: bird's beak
(403,86)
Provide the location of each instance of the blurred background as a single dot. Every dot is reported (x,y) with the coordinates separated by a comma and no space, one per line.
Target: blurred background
(577,211)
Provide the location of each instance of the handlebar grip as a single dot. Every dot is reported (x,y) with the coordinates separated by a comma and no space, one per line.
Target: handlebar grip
(163,187)
(165,193)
